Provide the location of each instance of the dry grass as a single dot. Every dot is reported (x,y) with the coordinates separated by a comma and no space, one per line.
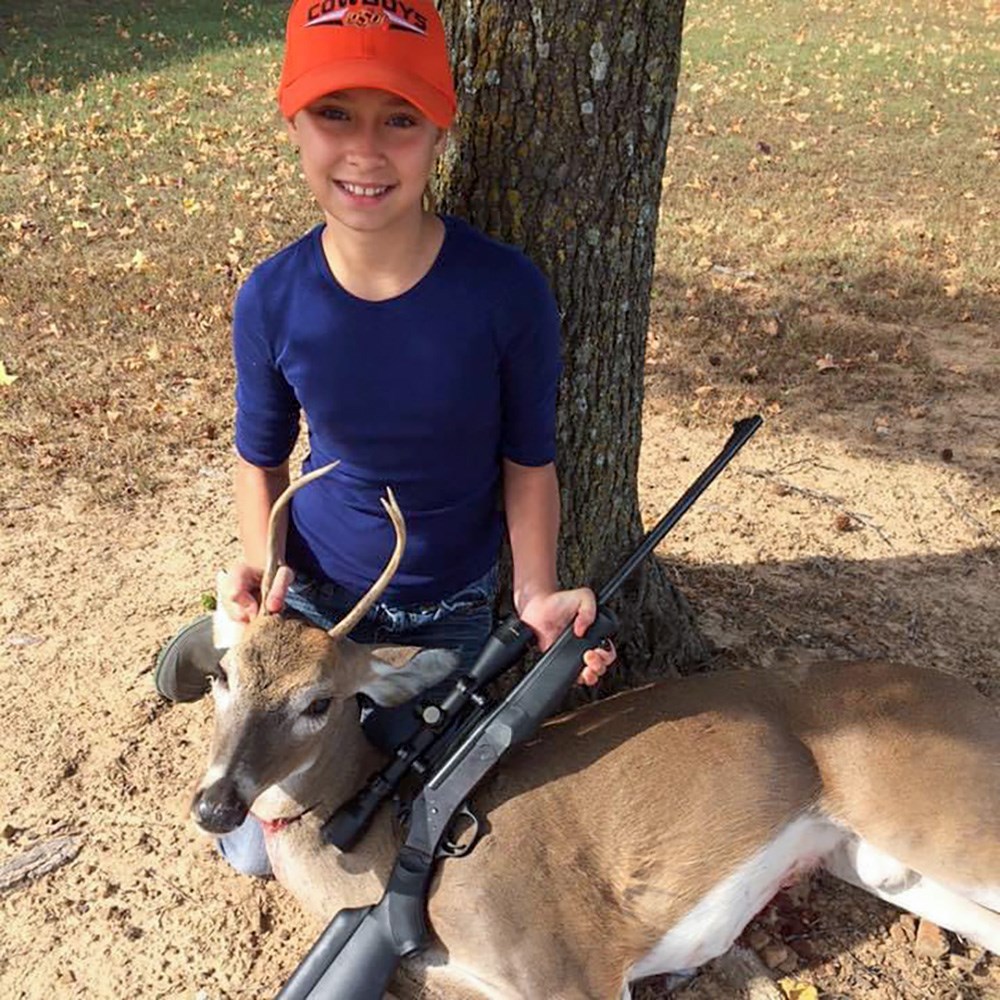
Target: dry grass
(831,191)
(831,187)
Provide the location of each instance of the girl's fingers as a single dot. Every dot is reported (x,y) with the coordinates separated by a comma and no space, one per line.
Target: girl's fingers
(279,588)
(586,611)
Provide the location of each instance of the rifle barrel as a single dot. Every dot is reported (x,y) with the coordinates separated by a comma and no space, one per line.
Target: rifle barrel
(743,430)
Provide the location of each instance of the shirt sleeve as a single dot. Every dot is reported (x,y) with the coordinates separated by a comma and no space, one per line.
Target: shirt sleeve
(267,412)
(530,367)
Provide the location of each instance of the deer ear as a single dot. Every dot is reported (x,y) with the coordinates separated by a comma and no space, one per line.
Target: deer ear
(225,632)
(399,673)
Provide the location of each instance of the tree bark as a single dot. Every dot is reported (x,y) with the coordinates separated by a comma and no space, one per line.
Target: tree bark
(564,116)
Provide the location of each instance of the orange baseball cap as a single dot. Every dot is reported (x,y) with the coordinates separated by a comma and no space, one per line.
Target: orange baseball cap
(393,45)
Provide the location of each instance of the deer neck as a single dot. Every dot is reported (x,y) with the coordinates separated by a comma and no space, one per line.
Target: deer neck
(320,875)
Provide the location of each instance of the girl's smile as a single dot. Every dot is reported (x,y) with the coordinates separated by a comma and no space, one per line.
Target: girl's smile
(364,194)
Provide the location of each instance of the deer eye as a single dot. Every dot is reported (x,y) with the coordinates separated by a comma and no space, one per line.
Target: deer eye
(220,676)
(318,707)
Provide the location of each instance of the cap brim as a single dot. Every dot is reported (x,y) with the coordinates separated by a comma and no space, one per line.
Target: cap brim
(350,73)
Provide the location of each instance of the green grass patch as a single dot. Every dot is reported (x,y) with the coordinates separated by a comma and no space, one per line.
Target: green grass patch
(56,47)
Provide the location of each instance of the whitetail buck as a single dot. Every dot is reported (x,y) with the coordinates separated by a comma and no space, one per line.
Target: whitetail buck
(636,836)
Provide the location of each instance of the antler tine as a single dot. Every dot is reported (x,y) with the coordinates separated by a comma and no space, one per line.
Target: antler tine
(270,559)
(346,624)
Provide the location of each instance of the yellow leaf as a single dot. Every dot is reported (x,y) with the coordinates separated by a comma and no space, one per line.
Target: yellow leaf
(139,262)
(795,989)
(6,379)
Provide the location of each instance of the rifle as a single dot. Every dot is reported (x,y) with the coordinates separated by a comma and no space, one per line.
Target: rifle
(358,952)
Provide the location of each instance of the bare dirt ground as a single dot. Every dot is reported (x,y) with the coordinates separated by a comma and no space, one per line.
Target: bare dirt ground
(850,527)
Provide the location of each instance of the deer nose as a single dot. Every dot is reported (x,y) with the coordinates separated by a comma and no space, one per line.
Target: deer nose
(218,808)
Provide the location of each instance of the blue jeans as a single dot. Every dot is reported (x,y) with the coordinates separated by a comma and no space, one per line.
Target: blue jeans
(461,622)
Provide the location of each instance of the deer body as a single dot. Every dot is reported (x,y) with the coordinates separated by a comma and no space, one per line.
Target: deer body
(635,836)
(640,835)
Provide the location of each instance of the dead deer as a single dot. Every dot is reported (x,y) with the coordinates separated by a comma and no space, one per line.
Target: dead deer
(633,837)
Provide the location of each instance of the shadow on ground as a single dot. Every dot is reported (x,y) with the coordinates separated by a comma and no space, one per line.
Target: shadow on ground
(873,361)
(46,47)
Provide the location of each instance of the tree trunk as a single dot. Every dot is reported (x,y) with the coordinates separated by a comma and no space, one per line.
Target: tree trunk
(559,148)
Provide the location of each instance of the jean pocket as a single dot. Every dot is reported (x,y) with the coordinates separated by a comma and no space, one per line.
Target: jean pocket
(304,588)
(473,597)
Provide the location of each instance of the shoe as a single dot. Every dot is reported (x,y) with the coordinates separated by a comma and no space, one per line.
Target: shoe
(187,662)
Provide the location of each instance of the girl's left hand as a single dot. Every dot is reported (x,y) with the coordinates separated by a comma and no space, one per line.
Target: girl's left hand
(549,614)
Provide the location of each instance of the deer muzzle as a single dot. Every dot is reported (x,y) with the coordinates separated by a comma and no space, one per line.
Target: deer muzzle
(218,808)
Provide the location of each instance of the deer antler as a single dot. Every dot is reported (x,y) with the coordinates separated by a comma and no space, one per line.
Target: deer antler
(346,624)
(270,559)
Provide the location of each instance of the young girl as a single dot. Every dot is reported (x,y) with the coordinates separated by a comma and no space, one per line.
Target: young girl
(425,357)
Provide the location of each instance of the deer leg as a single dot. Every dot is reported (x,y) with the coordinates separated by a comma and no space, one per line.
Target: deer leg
(868,868)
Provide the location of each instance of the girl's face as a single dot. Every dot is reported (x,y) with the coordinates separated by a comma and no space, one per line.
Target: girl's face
(366,155)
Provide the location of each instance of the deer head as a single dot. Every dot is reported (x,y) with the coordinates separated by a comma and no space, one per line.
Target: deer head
(285,697)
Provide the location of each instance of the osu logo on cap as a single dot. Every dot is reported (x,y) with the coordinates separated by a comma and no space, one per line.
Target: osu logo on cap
(385,14)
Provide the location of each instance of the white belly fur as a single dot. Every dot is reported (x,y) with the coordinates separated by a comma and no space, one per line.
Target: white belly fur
(710,929)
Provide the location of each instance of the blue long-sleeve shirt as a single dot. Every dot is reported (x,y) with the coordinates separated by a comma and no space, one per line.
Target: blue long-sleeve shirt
(426,392)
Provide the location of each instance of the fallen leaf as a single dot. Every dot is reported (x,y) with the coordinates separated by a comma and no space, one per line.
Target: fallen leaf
(795,989)
(5,378)
(844,522)
(826,363)
(139,262)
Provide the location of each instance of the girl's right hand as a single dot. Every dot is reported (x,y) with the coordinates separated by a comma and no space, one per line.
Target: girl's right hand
(240,591)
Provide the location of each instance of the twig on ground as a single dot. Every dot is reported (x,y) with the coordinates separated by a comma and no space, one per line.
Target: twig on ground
(170,884)
(869,522)
(826,498)
(810,462)
(39,861)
